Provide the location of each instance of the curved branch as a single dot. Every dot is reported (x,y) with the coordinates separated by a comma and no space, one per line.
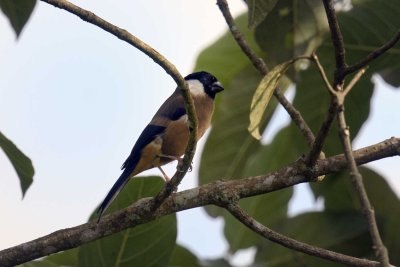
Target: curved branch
(357,180)
(166,65)
(291,243)
(373,55)
(337,40)
(218,193)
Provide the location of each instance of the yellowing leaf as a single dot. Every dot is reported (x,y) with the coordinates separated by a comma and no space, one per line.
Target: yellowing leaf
(262,96)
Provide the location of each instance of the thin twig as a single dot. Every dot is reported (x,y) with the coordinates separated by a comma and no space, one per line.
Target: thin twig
(213,193)
(357,180)
(337,40)
(321,70)
(260,65)
(166,65)
(337,107)
(353,82)
(294,244)
(323,131)
(373,55)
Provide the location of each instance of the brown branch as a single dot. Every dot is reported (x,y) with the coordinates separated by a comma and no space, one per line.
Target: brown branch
(337,41)
(373,55)
(162,62)
(357,180)
(291,243)
(322,73)
(353,82)
(218,193)
(260,65)
(337,106)
(323,132)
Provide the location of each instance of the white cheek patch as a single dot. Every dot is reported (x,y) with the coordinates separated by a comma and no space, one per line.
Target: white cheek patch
(196,87)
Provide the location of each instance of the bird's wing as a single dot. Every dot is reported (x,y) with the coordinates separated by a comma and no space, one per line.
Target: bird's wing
(171,110)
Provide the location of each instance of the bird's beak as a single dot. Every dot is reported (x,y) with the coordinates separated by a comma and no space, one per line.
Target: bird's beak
(217,87)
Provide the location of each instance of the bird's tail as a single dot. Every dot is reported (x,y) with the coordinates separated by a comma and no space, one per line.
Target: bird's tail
(117,187)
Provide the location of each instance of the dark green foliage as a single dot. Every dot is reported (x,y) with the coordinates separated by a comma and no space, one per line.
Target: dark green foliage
(17,12)
(21,163)
(289,30)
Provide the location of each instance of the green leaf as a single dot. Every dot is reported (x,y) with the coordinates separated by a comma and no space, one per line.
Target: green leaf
(367,26)
(216,263)
(68,258)
(150,244)
(339,196)
(182,257)
(38,264)
(230,153)
(322,229)
(17,12)
(262,96)
(258,10)
(292,29)
(229,144)
(224,58)
(21,163)
(270,209)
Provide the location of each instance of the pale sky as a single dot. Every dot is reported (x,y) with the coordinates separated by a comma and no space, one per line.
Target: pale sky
(75,98)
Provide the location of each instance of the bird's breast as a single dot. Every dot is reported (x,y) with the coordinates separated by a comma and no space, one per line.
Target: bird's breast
(176,136)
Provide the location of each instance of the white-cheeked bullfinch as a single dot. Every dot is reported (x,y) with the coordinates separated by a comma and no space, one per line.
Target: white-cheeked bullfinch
(166,136)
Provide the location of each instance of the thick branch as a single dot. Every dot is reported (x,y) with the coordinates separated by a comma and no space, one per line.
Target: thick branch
(166,65)
(260,65)
(291,243)
(218,193)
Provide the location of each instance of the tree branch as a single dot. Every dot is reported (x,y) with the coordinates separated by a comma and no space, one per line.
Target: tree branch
(357,180)
(291,243)
(337,40)
(260,65)
(162,62)
(373,55)
(217,193)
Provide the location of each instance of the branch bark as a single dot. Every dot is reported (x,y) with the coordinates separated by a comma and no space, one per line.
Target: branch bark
(219,193)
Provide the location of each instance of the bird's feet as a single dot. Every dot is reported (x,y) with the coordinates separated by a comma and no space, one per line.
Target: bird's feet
(166,177)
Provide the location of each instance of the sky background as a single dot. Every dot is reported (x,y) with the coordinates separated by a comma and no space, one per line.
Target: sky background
(75,98)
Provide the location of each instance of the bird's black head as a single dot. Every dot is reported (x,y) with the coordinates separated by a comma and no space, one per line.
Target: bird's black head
(210,85)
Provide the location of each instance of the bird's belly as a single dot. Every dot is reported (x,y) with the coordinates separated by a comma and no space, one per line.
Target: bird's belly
(175,139)
(149,156)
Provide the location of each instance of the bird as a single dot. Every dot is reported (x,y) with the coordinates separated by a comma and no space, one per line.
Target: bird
(165,138)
